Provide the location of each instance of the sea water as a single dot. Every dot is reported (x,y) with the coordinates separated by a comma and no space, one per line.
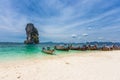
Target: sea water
(12,51)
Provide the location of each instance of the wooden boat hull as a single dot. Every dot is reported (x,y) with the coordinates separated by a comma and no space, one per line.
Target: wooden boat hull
(74,48)
(62,48)
(48,51)
(83,49)
(106,49)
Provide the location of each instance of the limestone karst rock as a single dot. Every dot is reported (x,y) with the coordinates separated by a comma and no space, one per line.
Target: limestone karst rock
(32,34)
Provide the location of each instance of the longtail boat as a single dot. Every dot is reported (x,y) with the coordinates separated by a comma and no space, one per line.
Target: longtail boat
(92,47)
(48,51)
(62,48)
(106,48)
(84,48)
(74,48)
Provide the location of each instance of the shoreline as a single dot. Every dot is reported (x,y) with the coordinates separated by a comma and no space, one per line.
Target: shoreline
(57,56)
(48,56)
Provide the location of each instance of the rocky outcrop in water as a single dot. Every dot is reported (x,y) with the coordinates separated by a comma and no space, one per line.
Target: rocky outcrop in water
(32,34)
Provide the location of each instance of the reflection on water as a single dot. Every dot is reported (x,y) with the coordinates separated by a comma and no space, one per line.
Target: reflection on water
(12,51)
(31,49)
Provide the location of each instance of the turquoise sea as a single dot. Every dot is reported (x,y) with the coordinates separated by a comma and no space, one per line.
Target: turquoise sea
(13,51)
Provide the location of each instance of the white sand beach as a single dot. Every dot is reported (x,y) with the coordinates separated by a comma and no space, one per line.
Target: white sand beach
(98,65)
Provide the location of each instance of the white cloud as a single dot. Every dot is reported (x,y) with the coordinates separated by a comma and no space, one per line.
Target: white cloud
(64,21)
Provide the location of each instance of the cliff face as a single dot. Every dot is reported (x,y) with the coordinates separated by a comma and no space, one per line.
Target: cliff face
(32,34)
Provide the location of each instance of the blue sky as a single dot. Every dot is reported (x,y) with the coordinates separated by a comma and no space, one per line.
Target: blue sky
(61,20)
